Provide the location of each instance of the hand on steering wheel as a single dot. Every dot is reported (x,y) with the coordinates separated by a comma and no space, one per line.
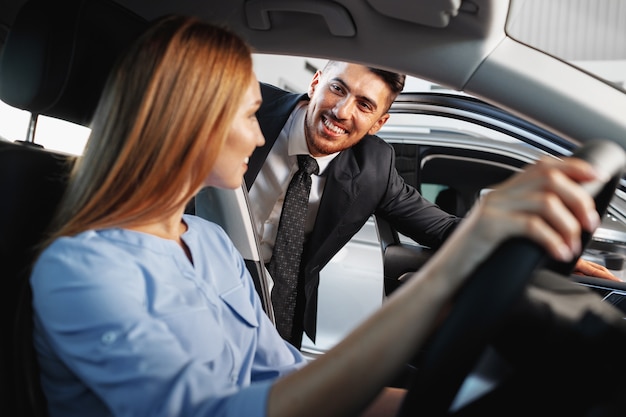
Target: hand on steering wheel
(495,285)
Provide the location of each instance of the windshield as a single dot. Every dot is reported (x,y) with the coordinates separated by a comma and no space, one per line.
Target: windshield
(589,34)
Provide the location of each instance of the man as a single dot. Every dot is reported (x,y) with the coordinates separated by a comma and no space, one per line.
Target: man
(336,123)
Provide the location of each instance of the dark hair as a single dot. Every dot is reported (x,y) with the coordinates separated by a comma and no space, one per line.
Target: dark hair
(393,80)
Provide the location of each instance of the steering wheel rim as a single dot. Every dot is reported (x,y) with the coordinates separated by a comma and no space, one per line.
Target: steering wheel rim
(483,302)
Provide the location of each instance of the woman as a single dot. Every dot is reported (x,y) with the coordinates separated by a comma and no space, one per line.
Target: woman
(142,310)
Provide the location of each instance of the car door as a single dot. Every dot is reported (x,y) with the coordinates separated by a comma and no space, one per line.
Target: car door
(231,210)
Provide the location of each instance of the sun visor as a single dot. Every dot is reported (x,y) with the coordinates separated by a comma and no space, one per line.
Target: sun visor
(433,13)
(58,55)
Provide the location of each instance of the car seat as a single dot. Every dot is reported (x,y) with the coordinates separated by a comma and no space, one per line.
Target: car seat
(450,201)
(407,160)
(31,184)
(47,67)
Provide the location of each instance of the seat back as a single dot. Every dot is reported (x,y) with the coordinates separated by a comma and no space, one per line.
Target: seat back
(47,67)
(407,160)
(48,64)
(451,201)
(31,184)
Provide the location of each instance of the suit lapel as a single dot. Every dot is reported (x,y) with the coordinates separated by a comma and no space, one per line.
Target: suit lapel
(340,191)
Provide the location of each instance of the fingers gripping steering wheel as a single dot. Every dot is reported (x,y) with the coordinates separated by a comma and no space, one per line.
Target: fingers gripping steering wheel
(493,287)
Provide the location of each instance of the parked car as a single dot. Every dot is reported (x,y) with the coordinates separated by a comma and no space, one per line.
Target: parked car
(545,78)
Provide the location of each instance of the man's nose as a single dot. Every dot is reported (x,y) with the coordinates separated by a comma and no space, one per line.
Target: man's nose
(344,108)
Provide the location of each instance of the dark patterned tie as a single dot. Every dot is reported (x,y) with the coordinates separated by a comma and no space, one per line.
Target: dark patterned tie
(284,266)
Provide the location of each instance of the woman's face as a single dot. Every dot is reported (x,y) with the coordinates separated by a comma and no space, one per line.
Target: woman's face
(244,136)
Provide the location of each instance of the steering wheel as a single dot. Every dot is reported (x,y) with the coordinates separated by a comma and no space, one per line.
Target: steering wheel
(492,289)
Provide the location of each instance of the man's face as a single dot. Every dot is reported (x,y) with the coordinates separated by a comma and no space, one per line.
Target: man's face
(347,101)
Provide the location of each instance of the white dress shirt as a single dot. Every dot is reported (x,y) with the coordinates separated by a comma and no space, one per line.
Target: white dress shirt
(268,191)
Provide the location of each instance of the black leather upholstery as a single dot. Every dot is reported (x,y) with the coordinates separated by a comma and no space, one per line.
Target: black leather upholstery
(407,160)
(450,201)
(31,184)
(58,55)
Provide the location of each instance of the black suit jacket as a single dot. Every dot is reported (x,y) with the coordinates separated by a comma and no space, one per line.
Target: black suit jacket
(361,181)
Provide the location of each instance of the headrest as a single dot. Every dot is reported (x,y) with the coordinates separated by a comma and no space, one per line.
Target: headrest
(58,55)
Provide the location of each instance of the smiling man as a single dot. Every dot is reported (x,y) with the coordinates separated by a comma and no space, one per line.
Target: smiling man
(347,102)
(335,123)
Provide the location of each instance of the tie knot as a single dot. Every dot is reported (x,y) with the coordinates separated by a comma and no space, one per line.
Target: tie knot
(308,164)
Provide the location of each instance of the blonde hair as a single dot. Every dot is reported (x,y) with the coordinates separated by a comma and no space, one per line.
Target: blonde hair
(160,124)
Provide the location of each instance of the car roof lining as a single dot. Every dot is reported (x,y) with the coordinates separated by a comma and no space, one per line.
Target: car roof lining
(291,33)
(548,98)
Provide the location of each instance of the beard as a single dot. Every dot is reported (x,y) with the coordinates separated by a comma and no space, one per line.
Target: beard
(320,144)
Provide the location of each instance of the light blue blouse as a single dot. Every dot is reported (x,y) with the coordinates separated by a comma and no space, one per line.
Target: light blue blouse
(126,325)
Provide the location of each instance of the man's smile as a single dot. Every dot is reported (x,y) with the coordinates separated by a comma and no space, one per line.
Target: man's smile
(333,127)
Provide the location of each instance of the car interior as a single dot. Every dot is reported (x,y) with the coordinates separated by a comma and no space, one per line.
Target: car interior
(48,80)
(48,58)
(461,175)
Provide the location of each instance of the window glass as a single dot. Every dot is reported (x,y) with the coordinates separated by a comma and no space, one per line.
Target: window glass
(54,134)
(13,123)
(430,191)
(60,135)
